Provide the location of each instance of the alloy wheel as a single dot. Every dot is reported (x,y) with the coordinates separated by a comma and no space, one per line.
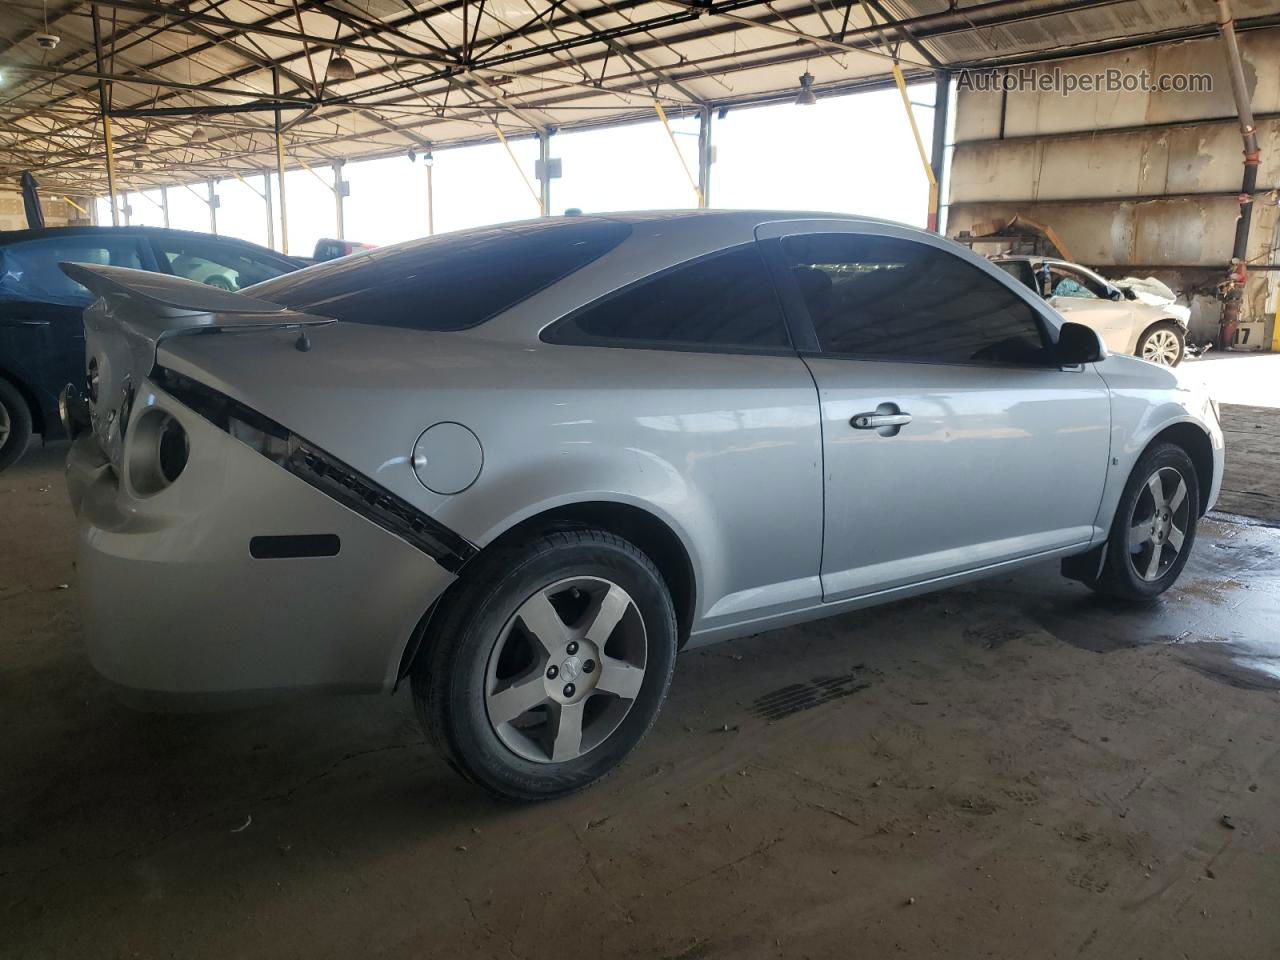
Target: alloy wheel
(566,669)
(1161,347)
(6,424)
(1158,524)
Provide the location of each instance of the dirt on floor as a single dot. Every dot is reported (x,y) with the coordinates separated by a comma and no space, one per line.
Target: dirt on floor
(1251,486)
(1015,769)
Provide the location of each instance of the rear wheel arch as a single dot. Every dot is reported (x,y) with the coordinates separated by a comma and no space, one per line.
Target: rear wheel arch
(652,535)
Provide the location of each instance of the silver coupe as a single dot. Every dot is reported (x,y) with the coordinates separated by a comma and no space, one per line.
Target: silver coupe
(520,467)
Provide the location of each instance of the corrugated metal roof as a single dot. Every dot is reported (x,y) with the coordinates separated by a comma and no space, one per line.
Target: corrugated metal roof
(448,71)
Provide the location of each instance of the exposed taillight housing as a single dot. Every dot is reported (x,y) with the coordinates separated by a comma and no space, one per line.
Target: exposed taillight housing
(157,452)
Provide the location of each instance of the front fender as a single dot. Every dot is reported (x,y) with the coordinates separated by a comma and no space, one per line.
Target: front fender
(1146,400)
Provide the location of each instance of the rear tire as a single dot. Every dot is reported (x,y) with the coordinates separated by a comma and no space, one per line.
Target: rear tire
(1163,343)
(15,424)
(514,684)
(1154,527)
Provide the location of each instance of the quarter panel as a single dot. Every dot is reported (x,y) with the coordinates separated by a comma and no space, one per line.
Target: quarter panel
(724,448)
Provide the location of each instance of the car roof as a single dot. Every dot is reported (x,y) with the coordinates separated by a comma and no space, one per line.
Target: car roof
(17,236)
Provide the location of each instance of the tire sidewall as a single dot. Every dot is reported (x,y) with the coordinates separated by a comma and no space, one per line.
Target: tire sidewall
(461,658)
(19,424)
(1119,564)
(1175,329)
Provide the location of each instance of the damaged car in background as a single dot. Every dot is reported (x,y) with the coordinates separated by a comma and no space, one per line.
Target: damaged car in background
(520,467)
(1137,316)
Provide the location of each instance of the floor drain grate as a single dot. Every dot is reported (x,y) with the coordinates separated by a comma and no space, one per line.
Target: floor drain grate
(796,697)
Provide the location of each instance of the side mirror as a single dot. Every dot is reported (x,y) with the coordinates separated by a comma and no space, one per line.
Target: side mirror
(1078,344)
(1115,293)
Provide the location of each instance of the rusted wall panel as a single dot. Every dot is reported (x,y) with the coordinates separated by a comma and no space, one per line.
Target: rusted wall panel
(1073,158)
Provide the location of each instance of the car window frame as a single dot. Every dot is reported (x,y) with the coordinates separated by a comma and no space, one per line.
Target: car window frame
(1081,278)
(163,264)
(146,255)
(790,350)
(805,332)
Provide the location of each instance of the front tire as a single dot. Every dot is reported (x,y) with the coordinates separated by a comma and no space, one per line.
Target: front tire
(548,664)
(1154,527)
(1163,343)
(15,424)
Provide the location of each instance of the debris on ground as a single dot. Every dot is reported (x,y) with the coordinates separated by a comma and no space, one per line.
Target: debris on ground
(1226,821)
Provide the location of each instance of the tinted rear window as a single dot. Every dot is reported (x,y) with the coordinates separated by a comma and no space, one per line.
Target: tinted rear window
(446,283)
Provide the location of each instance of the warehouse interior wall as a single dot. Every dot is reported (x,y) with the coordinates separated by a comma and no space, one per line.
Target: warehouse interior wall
(1139,183)
(58,211)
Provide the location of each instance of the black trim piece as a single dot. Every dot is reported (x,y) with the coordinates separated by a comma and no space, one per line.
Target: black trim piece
(324,471)
(293,546)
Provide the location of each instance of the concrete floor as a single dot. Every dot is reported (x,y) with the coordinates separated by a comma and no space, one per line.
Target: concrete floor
(1017,769)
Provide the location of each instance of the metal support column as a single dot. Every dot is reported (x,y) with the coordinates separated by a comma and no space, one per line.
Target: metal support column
(213,207)
(938,150)
(1237,275)
(104,103)
(271,219)
(429,162)
(164,204)
(704,155)
(544,171)
(284,211)
(339,194)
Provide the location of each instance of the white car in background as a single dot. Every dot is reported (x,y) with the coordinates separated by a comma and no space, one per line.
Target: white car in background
(1137,317)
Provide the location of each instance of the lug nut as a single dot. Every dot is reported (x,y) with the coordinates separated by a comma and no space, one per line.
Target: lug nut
(572,648)
(569,689)
(552,672)
(588,666)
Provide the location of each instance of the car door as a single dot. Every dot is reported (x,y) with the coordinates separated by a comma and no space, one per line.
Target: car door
(41,308)
(1082,299)
(951,441)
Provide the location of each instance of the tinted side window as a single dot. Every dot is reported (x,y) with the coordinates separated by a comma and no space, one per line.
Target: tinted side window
(725,301)
(29,270)
(218,264)
(449,282)
(884,298)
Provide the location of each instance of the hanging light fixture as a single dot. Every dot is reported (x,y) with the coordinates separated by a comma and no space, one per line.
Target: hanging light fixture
(340,68)
(805,97)
(198,134)
(413,155)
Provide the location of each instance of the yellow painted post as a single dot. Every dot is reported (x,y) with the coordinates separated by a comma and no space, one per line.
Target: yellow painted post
(901,81)
(693,182)
(537,196)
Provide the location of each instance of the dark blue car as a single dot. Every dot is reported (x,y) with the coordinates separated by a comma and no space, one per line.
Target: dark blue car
(41,332)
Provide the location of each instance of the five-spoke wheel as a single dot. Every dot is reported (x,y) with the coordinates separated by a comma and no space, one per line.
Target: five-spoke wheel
(547,663)
(566,669)
(1158,523)
(1154,527)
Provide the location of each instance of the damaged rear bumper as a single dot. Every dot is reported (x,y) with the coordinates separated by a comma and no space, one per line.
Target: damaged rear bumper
(239,582)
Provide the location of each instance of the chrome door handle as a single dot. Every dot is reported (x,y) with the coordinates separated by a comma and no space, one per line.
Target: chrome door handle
(874,421)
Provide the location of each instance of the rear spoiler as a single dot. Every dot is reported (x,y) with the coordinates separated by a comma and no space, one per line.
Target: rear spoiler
(158,305)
